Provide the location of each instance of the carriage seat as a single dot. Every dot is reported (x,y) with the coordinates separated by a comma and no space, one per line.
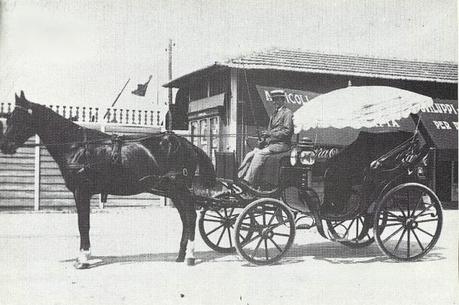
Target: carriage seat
(227,166)
(269,171)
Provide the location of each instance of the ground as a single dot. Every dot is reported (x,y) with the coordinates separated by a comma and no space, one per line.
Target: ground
(134,263)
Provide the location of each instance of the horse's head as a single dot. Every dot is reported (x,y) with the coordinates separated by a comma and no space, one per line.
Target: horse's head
(20,126)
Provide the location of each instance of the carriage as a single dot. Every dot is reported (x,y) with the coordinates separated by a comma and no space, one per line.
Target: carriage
(375,189)
(366,198)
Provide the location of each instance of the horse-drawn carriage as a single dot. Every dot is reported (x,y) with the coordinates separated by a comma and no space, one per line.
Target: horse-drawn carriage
(374,189)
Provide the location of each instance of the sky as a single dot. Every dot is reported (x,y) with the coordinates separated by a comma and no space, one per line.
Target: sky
(82,52)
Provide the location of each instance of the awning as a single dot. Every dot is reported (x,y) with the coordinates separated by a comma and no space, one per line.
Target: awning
(329,137)
(207,103)
(440,123)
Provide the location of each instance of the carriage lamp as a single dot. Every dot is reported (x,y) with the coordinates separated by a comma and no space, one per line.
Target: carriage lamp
(307,155)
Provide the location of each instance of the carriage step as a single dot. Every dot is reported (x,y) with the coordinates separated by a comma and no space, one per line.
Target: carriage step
(303,226)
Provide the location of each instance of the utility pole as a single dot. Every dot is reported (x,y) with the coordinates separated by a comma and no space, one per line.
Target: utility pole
(169,52)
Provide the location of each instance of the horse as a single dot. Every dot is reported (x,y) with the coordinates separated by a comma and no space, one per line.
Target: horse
(92,162)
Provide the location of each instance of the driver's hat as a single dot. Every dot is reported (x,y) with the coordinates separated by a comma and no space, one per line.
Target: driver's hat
(277,94)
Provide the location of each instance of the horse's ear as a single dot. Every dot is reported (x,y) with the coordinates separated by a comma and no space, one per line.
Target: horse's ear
(16,97)
(22,95)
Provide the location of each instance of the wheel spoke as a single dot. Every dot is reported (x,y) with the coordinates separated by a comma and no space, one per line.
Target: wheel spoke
(212,220)
(229,237)
(397,217)
(390,236)
(214,229)
(417,239)
(213,216)
(281,234)
(417,205)
(401,237)
(266,249)
(272,217)
(427,220)
(275,244)
(401,210)
(246,242)
(347,230)
(425,232)
(256,248)
(338,223)
(357,229)
(221,236)
(408,203)
(408,244)
(392,224)
(425,208)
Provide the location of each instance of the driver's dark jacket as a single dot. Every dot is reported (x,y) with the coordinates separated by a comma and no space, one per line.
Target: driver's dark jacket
(281,128)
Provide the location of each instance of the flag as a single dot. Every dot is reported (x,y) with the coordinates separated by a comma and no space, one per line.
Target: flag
(142,88)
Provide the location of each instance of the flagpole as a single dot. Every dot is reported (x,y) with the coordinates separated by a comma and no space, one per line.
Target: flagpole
(116,99)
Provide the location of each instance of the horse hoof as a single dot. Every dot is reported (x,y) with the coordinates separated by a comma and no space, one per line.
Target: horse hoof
(190,261)
(180,259)
(81,266)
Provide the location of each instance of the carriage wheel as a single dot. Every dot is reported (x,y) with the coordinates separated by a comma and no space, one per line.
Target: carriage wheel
(216,227)
(408,221)
(356,231)
(272,227)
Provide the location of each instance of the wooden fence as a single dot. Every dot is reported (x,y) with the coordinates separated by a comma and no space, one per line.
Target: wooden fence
(31,179)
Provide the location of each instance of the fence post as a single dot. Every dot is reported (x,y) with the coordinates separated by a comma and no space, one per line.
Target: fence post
(36,193)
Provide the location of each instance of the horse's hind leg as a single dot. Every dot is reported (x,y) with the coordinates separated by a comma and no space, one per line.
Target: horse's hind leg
(188,217)
(82,200)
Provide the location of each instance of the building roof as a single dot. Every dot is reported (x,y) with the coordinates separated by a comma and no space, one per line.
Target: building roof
(314,62)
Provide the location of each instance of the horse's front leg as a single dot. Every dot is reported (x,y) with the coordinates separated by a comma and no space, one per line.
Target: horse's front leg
(82,200)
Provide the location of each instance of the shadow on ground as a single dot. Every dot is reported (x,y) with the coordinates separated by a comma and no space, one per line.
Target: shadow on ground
(330,252)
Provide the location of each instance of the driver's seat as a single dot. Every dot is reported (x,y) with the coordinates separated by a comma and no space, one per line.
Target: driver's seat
(226,165)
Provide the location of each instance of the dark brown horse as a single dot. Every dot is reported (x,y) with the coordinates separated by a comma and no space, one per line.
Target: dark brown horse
(92,162)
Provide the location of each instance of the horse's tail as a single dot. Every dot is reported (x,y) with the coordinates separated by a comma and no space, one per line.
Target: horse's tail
(207,175)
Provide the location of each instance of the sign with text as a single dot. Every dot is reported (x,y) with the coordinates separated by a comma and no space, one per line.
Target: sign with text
(294,98)
(440,120)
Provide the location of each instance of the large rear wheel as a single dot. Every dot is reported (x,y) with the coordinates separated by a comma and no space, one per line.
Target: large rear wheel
(408,221)
(272,228)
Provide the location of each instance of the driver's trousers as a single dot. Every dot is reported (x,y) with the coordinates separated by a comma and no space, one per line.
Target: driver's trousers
(249,172)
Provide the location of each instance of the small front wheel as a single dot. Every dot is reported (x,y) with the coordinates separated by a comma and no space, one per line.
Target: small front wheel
(408,221)
(271,227)
(354,233)
(216,226)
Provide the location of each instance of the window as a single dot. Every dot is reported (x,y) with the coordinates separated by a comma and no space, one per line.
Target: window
(214,136)
(203,135)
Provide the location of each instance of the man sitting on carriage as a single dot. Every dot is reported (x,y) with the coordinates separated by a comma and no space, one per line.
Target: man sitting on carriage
(276,139)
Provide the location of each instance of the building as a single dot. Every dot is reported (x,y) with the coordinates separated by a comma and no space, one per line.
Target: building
(224,104)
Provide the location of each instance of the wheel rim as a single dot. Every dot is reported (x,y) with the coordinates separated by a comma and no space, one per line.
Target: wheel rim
(408,223)
(271,228)
(356,231)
